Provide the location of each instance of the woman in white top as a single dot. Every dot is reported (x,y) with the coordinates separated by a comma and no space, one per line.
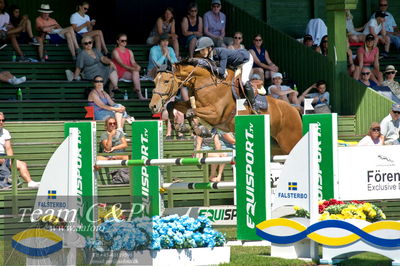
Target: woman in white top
(283,92)
(237,41)
(374,136)
(82,25)
(354,34)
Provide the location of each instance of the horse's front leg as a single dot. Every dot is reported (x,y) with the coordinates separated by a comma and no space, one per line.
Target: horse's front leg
(179,127)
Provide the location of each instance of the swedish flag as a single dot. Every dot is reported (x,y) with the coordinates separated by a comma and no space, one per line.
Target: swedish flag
(51,194)
(292,185)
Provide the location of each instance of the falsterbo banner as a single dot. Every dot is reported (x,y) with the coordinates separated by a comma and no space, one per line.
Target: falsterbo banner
(253,190)
(369,172)
(146,180)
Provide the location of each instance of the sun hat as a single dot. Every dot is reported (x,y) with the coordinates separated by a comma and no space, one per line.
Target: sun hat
(390,68)
(396,107)
(45,8)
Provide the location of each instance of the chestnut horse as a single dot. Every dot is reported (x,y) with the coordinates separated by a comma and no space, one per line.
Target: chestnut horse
(215,103)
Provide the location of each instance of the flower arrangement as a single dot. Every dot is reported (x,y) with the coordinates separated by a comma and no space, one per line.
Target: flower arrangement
(107,212)
(335,209)
(51,222)
(169,232)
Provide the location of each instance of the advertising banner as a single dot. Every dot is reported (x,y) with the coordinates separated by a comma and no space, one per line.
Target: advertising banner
(147,179)
(369,172)
(218,215)
(253,191)
(327,139)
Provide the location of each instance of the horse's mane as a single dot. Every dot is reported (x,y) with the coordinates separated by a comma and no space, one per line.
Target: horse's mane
(208,64)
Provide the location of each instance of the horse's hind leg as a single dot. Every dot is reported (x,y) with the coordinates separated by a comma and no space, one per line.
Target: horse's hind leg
(179,127)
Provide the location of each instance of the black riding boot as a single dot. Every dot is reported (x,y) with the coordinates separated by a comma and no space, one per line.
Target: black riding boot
(250,93)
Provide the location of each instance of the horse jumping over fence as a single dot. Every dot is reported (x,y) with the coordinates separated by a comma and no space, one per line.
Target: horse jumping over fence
(215,103)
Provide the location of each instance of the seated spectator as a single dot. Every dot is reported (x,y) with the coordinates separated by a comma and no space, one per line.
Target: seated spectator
(8,31)
(48,27)
(214,25)
(237,41)
(374,136)
(112,141)
(192,28)
(23,26)
(350,61)
(105,107)
(353,34)
(83,26)
(282,92)
(258,83)
(178,118)
(321,99)
(317,29)
(127,68)
(394,86)
(165,25)
(6,150)
(368,56)
(205,144)
(228,141)
(323,46)
(390,24)
(390,126)
(160,55)
(92,63)
(7,77)
(365,78)
(262,62)
(375,26)
(309,42)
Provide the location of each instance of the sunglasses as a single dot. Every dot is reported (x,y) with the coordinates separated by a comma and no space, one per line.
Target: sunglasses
(365,73)
(2,120)
(390,72)
(85,8)
(112,123)
(383,5)
(87,43)
(376,129)
(214,6)
(237,38)
(193,10)
(98,81)
(123,40)
(258,40)
(396,112)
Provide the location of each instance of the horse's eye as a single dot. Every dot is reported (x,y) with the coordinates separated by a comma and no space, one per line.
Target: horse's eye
(166,81)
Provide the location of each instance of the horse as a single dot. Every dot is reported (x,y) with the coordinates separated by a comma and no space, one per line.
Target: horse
(215,103)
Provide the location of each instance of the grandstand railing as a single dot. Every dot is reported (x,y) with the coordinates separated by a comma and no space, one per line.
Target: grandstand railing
(305,67)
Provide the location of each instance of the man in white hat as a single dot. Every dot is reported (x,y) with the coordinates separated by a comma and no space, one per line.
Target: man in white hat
(390,74)
(390,126)
(49,28)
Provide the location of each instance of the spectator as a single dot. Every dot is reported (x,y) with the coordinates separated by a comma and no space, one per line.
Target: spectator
(48,27)
(165,25)
(262,62)
(258,83)
(317,29)
(390,24)
(214,25)
(376,27)
(7,31)
(127,68)
(237,41)
(6,150)
(353,34)
(394,86)
(105,107)
(228,141)
(23,26)
(83,26)
(192,28)
(321,99)
(390,126)
(160,55)
(309,42)
(350,60)
(368,55)
(374,136)
(365,78)
(323,46)
(205,144)
(92,63)
(283,92)
(7,77)
(112,141)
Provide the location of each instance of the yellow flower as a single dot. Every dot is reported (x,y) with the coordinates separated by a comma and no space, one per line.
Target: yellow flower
(296,208)
(324,216)
(372,213)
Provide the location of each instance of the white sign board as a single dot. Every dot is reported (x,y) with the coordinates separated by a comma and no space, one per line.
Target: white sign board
(369,172)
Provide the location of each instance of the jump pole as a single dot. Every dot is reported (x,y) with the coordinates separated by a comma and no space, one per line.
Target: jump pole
(252,170)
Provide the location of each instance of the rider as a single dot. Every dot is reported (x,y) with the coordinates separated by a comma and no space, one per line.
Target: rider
(228,57)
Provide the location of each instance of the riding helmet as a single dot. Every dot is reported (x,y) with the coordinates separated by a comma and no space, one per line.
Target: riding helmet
(204,42)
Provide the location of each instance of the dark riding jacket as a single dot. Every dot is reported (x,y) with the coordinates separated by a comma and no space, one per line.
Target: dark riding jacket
(228,57)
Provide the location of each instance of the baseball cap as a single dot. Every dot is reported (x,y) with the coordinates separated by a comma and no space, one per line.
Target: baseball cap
(277,75)
(380,14)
